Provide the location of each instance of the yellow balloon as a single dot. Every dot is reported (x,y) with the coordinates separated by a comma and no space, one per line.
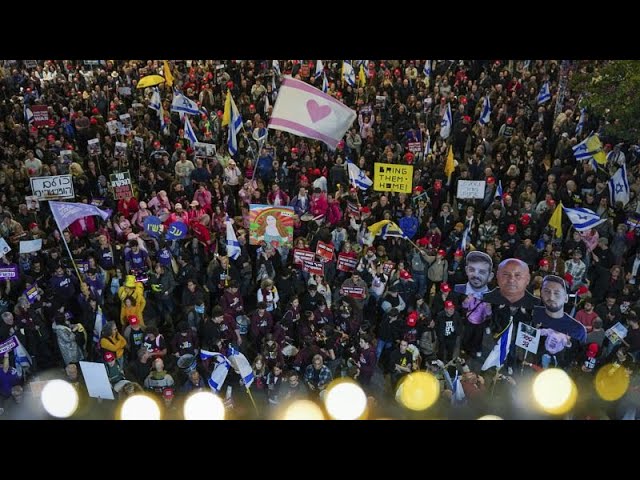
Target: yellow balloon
(611,382)
(418,391)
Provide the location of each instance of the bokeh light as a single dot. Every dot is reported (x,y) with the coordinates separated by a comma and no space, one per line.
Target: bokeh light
(303,410)
(611,382)
(140,407)
(554,391)
(345,400)
(203,406)
(418,391)
(59,398)
(490,417)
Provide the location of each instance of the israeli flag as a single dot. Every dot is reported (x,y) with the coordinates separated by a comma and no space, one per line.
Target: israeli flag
(580,125)
(499,192)
(241,365)
(458,397)
(358,177)
(22,358)
(427,69)
(28,115)
(325,83)
(319,68)
(527,64)
(348,73)
(545,93)
(98,326)
(188,131)
(465,239)
(581,150)
(183,104)
(427,146)
(234,128)
(485,116)
(276,67)
(498,355)
(233,246)
(445,124)
(155,103)
(582,218)
(619,187)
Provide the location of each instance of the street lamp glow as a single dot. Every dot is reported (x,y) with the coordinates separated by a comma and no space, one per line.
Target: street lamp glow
(554,391)
(203,406)
(303,410)
(140,407)
(345,401)
(59,398)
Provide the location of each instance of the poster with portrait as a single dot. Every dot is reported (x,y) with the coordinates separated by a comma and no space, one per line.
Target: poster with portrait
(65,156)
(121,150)
(138,144)
(272,225)
(112,126)
(93,146)
(125,125)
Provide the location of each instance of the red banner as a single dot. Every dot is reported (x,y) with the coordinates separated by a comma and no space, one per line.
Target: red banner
(324,251)
(300,255)
(316,268)
(387,267)
(40,115)
(346,263)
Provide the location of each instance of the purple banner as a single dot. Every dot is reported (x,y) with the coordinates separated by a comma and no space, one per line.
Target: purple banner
(8,345)
(10,272)
(31,293)
(65,213)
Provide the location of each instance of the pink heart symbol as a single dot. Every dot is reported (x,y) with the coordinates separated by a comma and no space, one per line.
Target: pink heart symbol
(317,112)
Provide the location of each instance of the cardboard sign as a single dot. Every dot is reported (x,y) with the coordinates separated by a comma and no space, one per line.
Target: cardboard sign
(96,380)
(471,189)
(324,251)
(10,273)
(93,146)
(40,115)
(528,337)
(300,255)
(346,263)
(353,292)
(313,267)
(616,333)
(53,187)
(121,185)
(389,177)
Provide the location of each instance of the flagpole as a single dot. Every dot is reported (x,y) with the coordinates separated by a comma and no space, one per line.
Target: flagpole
(67,246)
(252,400)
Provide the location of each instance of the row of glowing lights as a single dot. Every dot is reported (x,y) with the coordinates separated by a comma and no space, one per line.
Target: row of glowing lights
(553,390)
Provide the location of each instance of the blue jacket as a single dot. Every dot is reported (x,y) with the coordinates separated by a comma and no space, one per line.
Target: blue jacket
(409,226)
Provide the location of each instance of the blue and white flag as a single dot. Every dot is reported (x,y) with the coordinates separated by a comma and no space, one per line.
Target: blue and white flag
(527,64)
(485,116)
(619,187)
(580,125)
(98,326)
(458,397)
(189,134)
(545,94)
(445,124)
(427,146)
(348,73)
(358,177)
(241,365)
(427,69)
(233,246)
(466,239)
(319,68)
(156,102)
(582,218)
(499,192)
(498,354)
(183,104)
(235,126)
(28,115)
(22,358)
(325,83)
(276,67)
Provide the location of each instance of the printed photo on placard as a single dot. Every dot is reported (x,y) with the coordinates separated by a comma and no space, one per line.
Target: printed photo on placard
(138,144)
(121,150)
(93,146)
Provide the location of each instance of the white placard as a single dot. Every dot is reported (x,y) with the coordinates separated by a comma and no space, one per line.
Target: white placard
(528,337)
(30,246)
(4,247)
(616,333)
(53,187)
(471,189)
(96,380)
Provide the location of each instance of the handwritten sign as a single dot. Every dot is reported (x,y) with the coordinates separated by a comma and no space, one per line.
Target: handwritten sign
(471,189)
(389,177)
(346,263)
(121,185)
(324,251)
(153,226)
(528,337)
(313,267)
(53,187)
(300,255)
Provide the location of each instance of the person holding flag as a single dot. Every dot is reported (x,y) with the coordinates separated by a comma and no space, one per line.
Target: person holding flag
(231,117)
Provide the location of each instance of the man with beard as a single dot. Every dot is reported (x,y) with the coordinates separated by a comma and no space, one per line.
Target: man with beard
(557,326)
(479,270)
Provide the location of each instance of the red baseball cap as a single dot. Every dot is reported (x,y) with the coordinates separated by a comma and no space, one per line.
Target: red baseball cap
(405,275)
(418,189)
(33,225)
(544,262)
(491,180)
(423,242)
(512,228)
(133,320)
(168,393)
(412,319)
(526,219)
(449,304)
(458,253)
(109,356)
(442,252)
(444,287)
(365,210)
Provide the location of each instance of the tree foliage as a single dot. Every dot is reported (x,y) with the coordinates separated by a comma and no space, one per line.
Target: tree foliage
(611,90)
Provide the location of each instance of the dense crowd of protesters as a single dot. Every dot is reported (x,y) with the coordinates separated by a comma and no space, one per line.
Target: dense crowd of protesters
(158,301)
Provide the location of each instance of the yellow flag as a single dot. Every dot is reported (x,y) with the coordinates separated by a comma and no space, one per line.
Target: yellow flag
(556,220)
(226,117)
(362,78)
(376,228)
(594,146)
(449,167)
(167,74)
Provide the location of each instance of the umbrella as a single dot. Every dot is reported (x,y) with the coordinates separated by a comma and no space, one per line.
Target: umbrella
(150,81)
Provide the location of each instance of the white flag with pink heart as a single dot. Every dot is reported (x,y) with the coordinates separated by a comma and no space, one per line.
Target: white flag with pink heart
(306,111)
